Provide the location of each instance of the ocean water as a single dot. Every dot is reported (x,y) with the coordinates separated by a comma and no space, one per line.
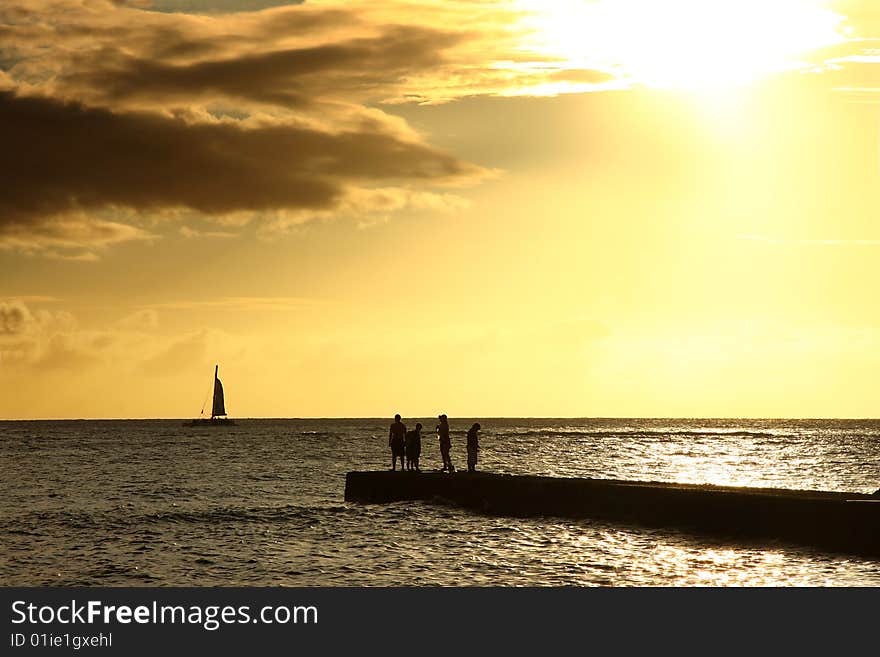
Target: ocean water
(114,503)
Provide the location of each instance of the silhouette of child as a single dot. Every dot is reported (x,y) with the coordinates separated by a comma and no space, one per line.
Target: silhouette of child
(473,446)
(413,448)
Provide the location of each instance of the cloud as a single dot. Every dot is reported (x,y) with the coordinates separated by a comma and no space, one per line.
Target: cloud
(114,113)
(14,317)
(61,161)
(188,232)
(22,326)
(242,304)
(83,256)
(146,319)
(31,298)
(291,54)
(40,339)
(63,234)
(303,60)
(207,6)
(35,340)
(62,352)
(300,78)
(187,352)
(112,116)
(369,206)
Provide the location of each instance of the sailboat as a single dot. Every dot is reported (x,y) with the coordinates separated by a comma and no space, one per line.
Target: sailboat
(218,407)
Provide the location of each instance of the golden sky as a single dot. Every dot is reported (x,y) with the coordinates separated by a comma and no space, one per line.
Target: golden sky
(576,208)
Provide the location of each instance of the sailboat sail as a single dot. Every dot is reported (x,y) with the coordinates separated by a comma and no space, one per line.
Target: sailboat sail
(219,407)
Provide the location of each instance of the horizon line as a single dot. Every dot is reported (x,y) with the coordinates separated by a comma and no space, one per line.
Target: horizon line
(422,417)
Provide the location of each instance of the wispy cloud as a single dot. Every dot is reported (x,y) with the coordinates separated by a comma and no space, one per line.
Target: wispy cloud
(66,233)
(30,298)
(188,232)
(237,304)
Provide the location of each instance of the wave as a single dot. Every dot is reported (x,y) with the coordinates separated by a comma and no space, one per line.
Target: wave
(29,523)
(324,434)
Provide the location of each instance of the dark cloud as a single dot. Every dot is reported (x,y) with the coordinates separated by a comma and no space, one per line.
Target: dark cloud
(114,111)
(92,44)
(209,6)
(14,317)
(292,78)
(60,158)
(293,57)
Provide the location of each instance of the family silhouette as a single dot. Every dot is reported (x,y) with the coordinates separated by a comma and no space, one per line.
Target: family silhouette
(407,445)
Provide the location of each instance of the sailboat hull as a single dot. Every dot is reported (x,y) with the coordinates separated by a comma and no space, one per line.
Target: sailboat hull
(214,422)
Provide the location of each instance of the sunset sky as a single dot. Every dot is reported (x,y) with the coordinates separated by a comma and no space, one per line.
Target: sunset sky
(609,208)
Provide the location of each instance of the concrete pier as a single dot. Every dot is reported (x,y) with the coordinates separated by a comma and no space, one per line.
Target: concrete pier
(829,521)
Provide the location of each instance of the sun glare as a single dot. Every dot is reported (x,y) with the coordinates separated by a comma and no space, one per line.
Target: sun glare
(693,45)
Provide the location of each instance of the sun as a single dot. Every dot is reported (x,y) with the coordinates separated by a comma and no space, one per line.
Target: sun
(692,45)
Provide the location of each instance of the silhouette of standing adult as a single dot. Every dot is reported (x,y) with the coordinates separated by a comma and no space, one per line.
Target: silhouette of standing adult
(473,446)
(397,442)
(445,444)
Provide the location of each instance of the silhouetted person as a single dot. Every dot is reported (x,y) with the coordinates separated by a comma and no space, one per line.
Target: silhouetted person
(413,448)
(473,446)
(445,444)
(397,442)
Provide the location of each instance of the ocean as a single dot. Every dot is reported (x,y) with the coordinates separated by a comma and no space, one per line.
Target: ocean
(154,503)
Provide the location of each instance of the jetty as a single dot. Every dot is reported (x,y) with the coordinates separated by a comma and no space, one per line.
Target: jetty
(828,521)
